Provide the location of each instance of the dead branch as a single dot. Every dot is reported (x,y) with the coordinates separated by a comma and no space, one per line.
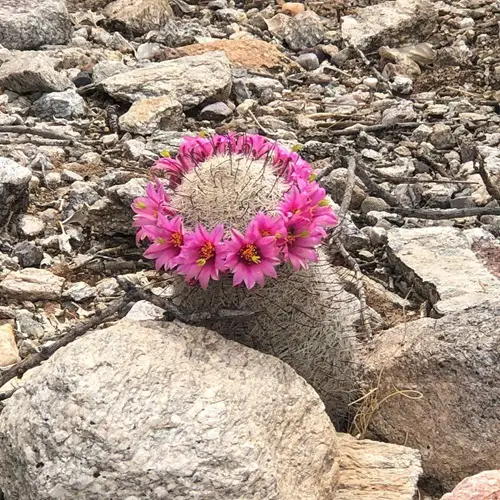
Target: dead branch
(48,134)
(374,188)
(349,186)
(445,213)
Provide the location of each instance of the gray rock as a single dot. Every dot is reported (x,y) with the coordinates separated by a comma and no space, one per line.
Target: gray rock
(30,225)
(308,61)
(81,194)
(52,180)
(70,176)
(190,80)
(32,72)
(247,87)
(165,410)
(80,291)
(403,112)
(106,69)
(126,193)
(145,311)
(148,115)
(373,204)
(402,85)
(390,23)
(441,266)
(32,284)
(449,370)
(14,182)
(335,183)
(28,24)
(107,287)
(442,136)
(28,254)
(137,17)
(377,235)
(28,327)
(66,104)
(300,32)
(216,111)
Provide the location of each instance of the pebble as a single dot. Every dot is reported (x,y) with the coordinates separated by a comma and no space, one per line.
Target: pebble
(308,61)
(52,180)
(370,82)
(216,111)
(373,204)
(28,254)
(80,291)
(30,225)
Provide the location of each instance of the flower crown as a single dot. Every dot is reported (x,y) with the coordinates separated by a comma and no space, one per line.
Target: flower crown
(238,204)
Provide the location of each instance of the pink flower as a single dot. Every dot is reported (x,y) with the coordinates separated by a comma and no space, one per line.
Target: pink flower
(202,256)
(321,211)
(301,241)
(270,226)
(290,165)
(194,150)
(223,144)
(148,207)
(174,169)
(167,238)
(296,202)
(254,145)
(251,257)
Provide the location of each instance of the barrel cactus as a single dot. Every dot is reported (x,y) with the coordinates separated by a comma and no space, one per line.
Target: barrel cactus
(238,223)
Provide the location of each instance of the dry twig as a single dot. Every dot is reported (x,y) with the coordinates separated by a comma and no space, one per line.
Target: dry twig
(445,213)
(493,191)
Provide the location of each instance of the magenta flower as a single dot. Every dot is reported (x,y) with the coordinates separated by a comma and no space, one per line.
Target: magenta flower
(321,211)
(148,207)
(167,238)
(174,169)
(251,257)
(194,150)
(270,226)
(202,256)
(301,241)
(296,202)
(254,145)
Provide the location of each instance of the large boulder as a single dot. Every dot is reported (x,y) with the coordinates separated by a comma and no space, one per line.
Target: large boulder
(28,24)
(482,486)
(190,80)
(14,182)
(145,410)
(137,17)
(391,23)
(440,386)
(440,264)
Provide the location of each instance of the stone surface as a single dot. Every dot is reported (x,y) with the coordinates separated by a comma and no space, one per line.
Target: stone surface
(66,104)
(370,470)
(299,32)
(216,111)
(147,115)
(8,348)
(189,80)
(449,370)
(335,183)
(403,112)
(439,263)
(30,225)
(152,410)
(241,54)
(28,24)
(28,254)
(32,284)
(145,311)
(80,291)
(137,17)
(390,23)
(14,182)
(32,72)
(482,486)
(442,136)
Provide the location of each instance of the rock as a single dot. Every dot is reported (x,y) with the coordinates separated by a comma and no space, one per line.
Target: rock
(53,180)
(390,23)
(82,78)
(28,254)
(308,61)
(165,411)
(30,225)
(28,327)
(442,136)
(482,486)
(148,51)
(217,111)
(8,348)
(32,72)
(441,266)
(137,17)
(66,104)
(107,287)
(145,311)
(335,183)
(106,69)
(28,24)
(189,80)
(81,194)
(370,470)
(303,31)
(14,182)
(293,8)
(373,204)
(241,54)
(377,235)
(80,291)
(70,176)
(449,370)
(134,148)
(403,112)
(147,115)
(32,284)
(371,82)
(421,133)
(402,85)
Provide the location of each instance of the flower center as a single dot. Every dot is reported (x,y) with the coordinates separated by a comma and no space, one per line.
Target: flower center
(250,254)
(176,239)
(265,233)
(207,251)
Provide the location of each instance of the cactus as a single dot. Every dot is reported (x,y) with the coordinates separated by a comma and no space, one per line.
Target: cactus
(242,211)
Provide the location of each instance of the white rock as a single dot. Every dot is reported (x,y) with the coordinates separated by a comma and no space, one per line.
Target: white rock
(371,82)
(152,410)
(80,291)
(30,225)
(190,80)
(32,284)
(28,24)
(147,115)
(145,311)
(66,104)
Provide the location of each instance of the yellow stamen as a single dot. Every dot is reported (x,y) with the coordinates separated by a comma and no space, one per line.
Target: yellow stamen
(265,233)
(165,153)
(160,241)
(201,262)
(297,147)
(312,177)
(250,254)
(207,251)
(324,203)
(176,239)
(140,205)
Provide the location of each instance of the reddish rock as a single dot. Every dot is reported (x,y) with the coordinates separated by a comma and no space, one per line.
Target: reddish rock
(482,486)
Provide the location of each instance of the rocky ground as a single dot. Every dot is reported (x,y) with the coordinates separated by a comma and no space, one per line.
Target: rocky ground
(408,90)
